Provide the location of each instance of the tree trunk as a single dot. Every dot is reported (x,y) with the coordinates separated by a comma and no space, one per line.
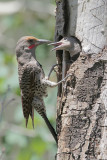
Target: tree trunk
(82,102)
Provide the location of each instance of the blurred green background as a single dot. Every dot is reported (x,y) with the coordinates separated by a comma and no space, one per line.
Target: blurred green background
(17,19)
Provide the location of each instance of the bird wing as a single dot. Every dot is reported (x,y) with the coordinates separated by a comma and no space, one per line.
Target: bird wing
(27,85)
(42,71)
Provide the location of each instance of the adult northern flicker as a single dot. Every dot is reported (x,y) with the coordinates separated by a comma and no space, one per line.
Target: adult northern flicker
(32,80)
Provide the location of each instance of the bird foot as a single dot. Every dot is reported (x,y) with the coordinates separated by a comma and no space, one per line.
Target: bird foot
(52,68)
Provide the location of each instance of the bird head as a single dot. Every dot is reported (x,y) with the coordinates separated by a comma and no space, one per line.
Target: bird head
(25,48)
(63,44)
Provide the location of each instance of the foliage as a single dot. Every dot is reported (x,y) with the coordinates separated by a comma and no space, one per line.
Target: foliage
(17,142)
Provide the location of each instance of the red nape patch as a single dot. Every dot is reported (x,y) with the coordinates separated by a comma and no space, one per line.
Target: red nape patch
(32,46)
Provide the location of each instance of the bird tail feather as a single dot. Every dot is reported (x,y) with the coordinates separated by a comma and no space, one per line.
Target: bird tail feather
(32,116)
(52,130)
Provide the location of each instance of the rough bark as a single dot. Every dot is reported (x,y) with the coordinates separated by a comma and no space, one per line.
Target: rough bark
(82,102)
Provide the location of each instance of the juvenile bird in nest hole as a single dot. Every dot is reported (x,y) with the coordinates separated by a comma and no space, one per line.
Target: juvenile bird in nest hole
(32,80)
(69,45)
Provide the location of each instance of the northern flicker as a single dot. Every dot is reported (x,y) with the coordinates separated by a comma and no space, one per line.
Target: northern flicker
(70,44)
(32,80)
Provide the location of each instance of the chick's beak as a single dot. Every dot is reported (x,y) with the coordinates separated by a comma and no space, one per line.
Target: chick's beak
(57,45)
(42,41)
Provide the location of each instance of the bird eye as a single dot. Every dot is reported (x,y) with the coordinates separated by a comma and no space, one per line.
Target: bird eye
(30,41)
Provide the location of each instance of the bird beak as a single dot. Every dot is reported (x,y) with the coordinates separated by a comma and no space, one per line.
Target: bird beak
(58,45)
(42,41)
